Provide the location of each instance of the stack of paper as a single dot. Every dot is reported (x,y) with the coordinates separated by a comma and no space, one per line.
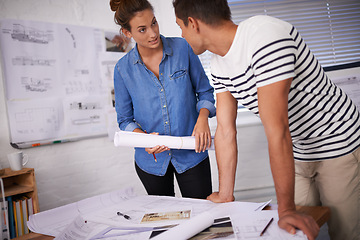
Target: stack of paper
(122,215)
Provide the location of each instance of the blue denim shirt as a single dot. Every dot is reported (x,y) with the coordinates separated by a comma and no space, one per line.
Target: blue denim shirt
(169,105)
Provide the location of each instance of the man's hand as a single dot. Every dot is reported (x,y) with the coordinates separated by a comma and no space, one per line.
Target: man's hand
(290,221)
(217,198)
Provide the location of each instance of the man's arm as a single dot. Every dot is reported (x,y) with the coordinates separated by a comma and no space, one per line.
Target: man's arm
(225,146)
(273,111)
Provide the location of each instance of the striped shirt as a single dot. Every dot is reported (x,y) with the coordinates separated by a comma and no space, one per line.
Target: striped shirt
(324,123)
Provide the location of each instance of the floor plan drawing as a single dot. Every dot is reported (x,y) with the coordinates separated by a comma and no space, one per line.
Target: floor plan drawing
(36,84)
(29,34)
(32,61)
(42,122)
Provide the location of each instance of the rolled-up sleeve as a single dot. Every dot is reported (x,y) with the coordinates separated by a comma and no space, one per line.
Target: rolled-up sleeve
(208,105)
(123,103)
(204,91)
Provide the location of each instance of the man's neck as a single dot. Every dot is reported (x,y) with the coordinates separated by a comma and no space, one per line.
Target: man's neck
(219,38)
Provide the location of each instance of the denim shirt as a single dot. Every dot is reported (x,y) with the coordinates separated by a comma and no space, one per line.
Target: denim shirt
(168,105)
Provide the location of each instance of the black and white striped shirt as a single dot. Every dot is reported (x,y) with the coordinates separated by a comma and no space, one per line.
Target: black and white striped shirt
(323,121)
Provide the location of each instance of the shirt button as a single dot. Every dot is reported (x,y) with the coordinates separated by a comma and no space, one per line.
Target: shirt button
(161,90)
(166,122)
(164,106)
(161,74)
(169,154)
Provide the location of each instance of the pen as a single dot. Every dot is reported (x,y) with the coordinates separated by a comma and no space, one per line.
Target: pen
(153,153)
(124,215)
(154,157)
(266,227)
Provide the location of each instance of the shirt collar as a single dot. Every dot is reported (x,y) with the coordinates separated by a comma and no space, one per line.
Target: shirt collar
(166,48)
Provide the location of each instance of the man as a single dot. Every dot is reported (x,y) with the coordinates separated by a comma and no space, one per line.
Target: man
(265,65)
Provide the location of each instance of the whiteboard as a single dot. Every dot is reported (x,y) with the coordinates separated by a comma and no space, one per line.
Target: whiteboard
(53,86)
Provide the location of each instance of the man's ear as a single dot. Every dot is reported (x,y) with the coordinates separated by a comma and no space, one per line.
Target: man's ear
(126,33)
(193,24)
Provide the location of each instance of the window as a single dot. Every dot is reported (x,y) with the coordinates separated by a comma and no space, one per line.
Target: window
(331,28)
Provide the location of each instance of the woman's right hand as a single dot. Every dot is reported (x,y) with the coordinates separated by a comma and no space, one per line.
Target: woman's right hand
(156,149)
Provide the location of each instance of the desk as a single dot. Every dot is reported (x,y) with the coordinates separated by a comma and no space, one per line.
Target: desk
(319,213)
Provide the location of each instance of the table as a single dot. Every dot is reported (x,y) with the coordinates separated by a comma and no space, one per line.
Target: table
(319,213)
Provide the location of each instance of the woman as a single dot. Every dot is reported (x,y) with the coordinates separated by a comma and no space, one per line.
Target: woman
(161,88)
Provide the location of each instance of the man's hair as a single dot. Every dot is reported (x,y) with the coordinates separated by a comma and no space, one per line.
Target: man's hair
(211,12)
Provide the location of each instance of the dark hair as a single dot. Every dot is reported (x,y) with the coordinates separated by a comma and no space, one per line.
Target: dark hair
(126,9)
(211,12)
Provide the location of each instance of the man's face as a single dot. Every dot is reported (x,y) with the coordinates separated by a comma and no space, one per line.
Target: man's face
(191,35)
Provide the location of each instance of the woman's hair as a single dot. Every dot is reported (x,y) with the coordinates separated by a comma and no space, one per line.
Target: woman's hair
(126,9)
(211,12)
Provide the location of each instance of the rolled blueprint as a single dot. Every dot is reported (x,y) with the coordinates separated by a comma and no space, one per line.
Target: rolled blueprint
(188,228)
(133,139)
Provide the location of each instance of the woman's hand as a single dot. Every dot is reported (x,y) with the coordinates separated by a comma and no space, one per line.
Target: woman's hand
(202,131)
(156,149)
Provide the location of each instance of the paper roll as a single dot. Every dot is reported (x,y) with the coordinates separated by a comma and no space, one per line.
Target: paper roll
(133,139)
(187,229)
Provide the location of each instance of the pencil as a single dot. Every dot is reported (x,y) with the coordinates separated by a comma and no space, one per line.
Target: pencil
(266,227)
(153,153)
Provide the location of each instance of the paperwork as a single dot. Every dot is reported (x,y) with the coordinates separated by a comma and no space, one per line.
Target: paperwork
(97,218)
(54,221)
(53,87)
(133,139)
(188,228)
(250,226)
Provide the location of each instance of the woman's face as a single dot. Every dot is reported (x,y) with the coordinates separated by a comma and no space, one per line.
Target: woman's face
(144,29)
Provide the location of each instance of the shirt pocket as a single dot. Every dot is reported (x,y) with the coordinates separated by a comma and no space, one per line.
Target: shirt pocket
(178,74)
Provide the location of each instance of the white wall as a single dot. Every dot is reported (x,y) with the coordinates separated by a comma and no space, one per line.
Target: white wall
(73,171)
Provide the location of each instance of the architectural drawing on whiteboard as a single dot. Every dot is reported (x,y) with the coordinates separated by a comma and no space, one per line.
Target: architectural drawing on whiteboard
(108,69)
(32,61)
(36,84)
(88,120)
(108,61)
(81,87)
(48,66)
(85,106)
(81,72)
(72,36)
(44,121)
(30,34)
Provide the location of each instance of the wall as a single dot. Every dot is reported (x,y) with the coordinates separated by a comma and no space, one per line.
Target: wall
(73,171)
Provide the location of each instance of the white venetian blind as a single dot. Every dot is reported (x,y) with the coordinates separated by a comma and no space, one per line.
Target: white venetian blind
(331,28)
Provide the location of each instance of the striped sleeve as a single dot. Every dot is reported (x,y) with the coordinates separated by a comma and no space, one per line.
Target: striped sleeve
(218,86)
(274,56)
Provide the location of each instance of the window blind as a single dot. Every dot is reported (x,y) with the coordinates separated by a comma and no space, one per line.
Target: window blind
(331,28)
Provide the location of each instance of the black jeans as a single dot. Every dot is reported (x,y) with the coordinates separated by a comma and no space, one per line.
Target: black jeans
(193,183)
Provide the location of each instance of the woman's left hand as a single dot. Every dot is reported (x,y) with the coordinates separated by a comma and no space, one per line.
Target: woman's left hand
(202,132)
